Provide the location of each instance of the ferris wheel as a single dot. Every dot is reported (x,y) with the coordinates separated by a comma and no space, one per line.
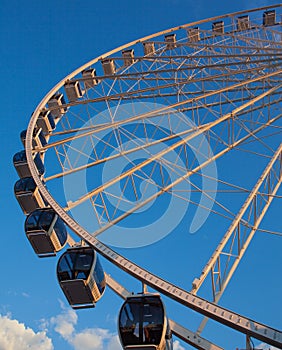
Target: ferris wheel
(180,126)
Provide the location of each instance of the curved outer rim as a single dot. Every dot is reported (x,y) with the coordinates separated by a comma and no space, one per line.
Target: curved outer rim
(222,315)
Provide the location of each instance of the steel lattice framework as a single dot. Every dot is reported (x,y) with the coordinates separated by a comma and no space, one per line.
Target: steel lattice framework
(168,95)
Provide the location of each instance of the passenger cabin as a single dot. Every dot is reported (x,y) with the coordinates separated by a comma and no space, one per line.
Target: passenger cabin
(243,23)
(193,34)
(21,165)
(46,122)
(46,232)
(89,79)
(57,105)
(38,140)
(170,40)
(149,48)
(269,18)
(81,277)
(128,57)
(218,28)
(108,65)
(28,195)
(73,90)
(143,323)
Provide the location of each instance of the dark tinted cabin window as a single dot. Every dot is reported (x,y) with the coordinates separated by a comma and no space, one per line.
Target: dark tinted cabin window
(26,184)
(39,164)
(99,276)
(51,121)
(61,231)
(45,220)
(31,222)
(39,220)
(23,135)
(142,321)
(75,265)
(41,136)
(129,324)
(30,185)
(42,139)
(42,219)
(19,157)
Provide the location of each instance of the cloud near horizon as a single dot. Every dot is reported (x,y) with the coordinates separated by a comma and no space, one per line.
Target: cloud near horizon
(89,338)
(177,346)
(16,336)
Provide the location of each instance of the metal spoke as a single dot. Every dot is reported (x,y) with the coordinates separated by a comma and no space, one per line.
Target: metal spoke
(146,121)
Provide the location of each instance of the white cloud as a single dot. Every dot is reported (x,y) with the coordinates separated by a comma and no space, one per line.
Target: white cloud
(64,323)
(26,295)
(114,343)
(96,339)
(87,339)
(177,346)
(16,336)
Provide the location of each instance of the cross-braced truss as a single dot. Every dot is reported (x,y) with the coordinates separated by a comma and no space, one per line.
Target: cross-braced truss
(156,118)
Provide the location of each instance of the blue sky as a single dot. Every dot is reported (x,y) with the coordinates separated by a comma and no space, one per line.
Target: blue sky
(41,42)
